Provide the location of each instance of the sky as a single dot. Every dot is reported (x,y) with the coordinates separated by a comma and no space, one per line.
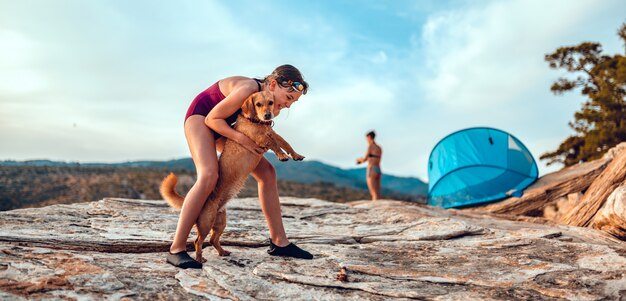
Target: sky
(110,81)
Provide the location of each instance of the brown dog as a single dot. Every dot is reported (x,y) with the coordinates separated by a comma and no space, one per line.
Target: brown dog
(235,164)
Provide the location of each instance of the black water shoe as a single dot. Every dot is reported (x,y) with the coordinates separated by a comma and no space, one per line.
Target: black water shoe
(289,250)
(183,261)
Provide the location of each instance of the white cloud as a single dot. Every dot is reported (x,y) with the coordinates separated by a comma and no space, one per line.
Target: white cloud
(379,58)
(21,81)
(493,54)
(17,55)
(16,49)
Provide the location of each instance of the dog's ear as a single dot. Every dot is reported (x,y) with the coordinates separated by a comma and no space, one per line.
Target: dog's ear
(247,109)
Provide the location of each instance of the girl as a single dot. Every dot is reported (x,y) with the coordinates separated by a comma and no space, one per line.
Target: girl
(374,174)
(207,125)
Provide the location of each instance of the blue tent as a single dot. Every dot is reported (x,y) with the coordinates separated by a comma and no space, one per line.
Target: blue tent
(478,165)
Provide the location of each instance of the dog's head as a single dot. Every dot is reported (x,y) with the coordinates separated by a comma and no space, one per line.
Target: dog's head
(259,106)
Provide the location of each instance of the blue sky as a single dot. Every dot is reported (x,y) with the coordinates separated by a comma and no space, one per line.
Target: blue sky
(110,81)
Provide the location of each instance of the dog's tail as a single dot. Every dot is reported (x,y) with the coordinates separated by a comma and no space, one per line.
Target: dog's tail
(169,193)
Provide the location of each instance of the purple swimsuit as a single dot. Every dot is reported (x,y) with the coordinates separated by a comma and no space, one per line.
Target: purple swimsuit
(206,101)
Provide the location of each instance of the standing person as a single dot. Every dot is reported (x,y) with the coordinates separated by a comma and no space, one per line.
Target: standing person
(372,156)
(207,125)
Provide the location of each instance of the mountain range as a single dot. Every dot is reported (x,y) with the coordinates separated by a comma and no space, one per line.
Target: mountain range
(301,172)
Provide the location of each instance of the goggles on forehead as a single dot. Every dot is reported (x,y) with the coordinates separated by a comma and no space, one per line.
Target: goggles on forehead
(294,86)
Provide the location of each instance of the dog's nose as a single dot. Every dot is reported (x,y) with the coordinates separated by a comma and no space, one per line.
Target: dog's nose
(267,116)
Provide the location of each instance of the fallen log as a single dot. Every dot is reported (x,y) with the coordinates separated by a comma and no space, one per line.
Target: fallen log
(611,217)
(597,194)
(549,189)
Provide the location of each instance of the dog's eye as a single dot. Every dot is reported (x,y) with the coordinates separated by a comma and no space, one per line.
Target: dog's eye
(258,104)
(271,103)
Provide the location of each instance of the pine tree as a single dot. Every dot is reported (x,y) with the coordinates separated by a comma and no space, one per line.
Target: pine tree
(601,122)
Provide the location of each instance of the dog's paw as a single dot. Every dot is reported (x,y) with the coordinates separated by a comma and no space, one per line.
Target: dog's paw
(283,157)
(297,157)
(224,253)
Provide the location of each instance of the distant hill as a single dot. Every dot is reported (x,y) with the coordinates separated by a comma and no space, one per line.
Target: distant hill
(37,186)
(301,172)
(315,171)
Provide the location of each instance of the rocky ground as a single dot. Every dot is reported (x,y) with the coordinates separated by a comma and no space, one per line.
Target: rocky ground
(115,249)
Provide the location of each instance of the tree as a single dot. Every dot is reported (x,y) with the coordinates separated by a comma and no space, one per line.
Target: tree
(601,122)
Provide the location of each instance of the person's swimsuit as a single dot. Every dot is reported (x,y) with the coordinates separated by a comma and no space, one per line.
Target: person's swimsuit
(373,169)
(207,100)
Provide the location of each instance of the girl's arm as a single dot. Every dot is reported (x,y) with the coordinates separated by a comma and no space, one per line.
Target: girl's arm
(365,158)
(216,120)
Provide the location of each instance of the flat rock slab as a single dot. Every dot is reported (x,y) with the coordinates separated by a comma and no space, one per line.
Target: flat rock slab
(115,249)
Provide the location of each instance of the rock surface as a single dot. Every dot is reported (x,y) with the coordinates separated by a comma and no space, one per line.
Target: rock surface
(115,249)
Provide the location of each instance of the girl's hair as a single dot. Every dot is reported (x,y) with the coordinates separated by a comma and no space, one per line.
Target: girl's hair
(371,134)
(286,75)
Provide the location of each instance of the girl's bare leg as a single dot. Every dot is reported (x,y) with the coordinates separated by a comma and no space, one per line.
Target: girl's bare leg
(373,184)
(370,187)
(376,184)
(265,175)
(202,146)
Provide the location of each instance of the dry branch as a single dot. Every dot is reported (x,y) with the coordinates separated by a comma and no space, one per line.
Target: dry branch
(597,194)
(550,188)
(611,217)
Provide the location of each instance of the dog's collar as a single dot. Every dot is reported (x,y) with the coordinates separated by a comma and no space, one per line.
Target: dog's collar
(254,120)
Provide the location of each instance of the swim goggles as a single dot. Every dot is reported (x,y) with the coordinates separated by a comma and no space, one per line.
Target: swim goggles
(295,86)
